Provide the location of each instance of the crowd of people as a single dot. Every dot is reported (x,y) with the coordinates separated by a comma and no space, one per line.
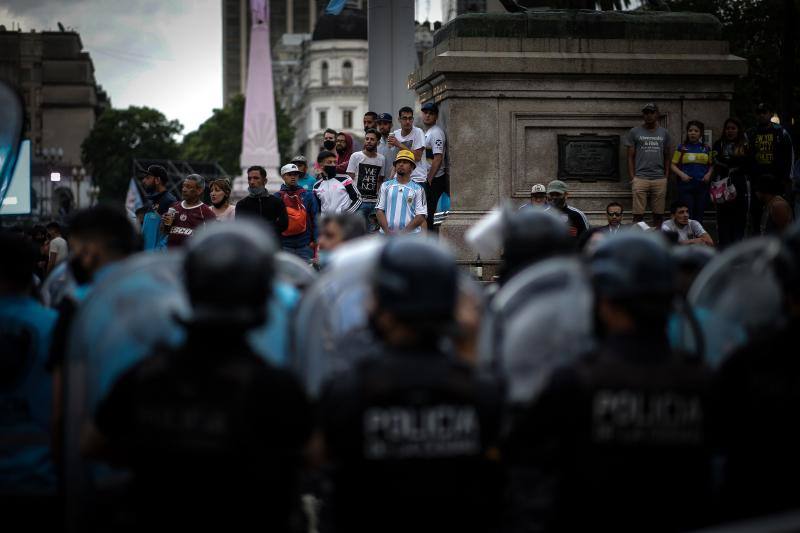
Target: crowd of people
(564,397)
(398,180)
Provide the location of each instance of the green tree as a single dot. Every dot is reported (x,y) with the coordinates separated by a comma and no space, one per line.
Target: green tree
(220,137)
(119,136)
(764,33)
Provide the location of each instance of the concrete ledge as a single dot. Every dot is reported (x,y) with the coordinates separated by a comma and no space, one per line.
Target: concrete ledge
(587,63)
(584,24)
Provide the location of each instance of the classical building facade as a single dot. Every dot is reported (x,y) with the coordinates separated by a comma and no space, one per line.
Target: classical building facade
(55,78)
(319,65)
(331,88)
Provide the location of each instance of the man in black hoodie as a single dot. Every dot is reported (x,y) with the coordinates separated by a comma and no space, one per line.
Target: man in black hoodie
(259,203)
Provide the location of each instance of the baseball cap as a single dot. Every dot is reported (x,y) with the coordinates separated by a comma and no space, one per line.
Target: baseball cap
(557,186)
(762,108)
(285,169)
(538,189)
(157,171)
(651,106)
(430,106)
(300,159)
(384,117)
(405,155)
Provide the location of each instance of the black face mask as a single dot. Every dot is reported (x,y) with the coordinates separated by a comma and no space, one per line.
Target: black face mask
(330,171)
(79,272)
(329,145)
(559,202)
(150,189)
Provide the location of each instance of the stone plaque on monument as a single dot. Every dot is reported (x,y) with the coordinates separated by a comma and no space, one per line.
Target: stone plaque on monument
(588,157)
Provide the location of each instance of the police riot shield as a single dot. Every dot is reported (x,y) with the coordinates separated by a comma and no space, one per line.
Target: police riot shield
(125,315)
(273,340)
(56,285)
(336,306)
(735,296)
(539,320)
(137,307)
(293,271)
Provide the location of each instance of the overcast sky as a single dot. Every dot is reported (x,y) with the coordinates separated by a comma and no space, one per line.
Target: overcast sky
(165,54)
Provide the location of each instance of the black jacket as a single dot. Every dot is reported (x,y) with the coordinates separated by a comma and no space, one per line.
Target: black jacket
(757,393)
(213,435)
(408,434)
(268,208)
(616,442)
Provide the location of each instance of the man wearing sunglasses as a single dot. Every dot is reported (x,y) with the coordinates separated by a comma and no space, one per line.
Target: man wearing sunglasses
(614,215)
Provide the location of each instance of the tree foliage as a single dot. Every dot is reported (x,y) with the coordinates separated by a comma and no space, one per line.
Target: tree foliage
(220,137)
(763,32)
(119,136)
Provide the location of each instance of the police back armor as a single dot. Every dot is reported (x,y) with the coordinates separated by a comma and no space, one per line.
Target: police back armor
(409,434)
(618,441)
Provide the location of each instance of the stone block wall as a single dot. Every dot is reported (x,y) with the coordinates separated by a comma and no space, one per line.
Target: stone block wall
(509,84)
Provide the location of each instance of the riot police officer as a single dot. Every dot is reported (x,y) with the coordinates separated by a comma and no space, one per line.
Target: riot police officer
(530,236)
(408,429)
(757,390)
(212,433)
(617,440)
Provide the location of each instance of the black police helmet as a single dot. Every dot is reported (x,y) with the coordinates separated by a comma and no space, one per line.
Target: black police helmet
(531,235)
(229,270)
(416,279)
(692,258)
(633,265)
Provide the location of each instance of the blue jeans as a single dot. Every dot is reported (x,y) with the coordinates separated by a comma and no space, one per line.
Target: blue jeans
(695,195)
(303,252)
(367,210)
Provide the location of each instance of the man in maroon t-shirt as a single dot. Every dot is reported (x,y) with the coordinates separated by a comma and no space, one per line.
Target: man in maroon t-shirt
(184,217)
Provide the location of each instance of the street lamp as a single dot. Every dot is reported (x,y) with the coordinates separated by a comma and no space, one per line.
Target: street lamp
(52,156)
(94,192)
(78,175)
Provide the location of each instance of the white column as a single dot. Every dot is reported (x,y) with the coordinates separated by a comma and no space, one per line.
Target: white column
(392,56)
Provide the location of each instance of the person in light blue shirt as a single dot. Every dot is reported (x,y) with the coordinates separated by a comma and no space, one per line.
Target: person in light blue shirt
(155,183)
(27,474)
(306,180)
(401,206)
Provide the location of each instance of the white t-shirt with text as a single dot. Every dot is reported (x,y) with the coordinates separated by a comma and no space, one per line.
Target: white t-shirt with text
(366,172)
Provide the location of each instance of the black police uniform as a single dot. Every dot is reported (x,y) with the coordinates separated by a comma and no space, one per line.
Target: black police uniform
(408,434)
(757,391)
(213,436)
(616,442)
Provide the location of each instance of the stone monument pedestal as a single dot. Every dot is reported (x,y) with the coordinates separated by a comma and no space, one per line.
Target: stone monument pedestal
(514,89)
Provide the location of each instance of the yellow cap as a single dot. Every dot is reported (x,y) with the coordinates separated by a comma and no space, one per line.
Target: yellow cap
(405,155)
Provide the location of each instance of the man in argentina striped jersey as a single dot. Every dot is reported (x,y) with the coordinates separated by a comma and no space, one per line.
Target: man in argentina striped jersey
(401,204)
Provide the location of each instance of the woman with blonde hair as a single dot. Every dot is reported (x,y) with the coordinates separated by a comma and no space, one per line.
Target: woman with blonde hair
(220,192)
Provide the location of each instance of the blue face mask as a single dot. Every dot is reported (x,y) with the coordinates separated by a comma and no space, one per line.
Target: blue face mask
(323,258)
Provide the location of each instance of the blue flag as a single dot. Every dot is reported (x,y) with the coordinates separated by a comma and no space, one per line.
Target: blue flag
(335,7)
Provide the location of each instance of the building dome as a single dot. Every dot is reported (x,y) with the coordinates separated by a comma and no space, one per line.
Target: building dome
(349,24)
